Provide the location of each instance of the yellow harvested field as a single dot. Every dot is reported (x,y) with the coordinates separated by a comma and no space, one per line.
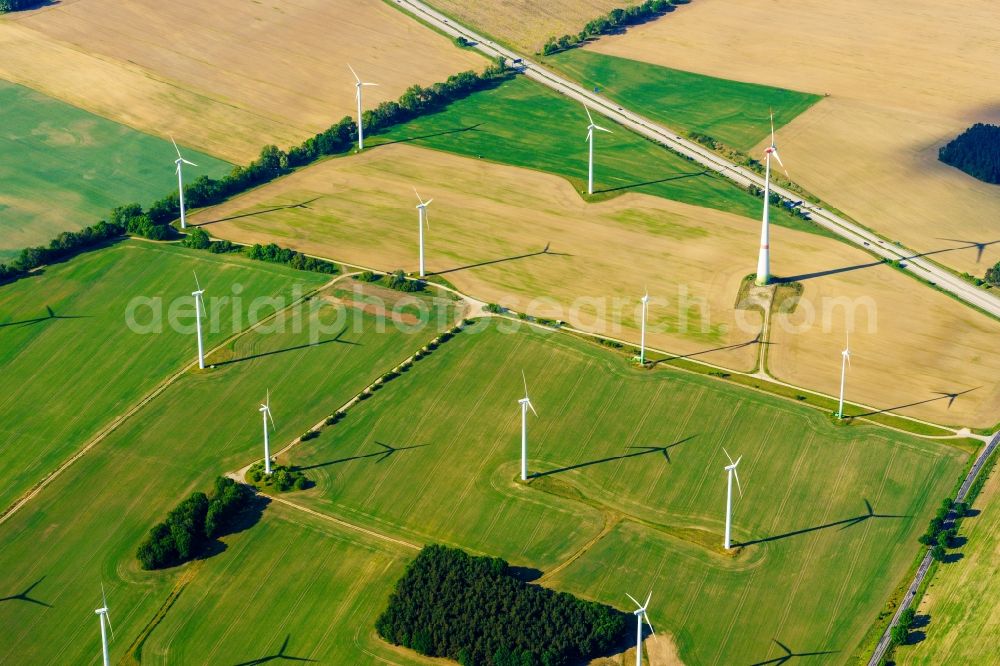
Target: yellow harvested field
(229,79)
(489,224)
(911,345)
(488,227)
(904,77)
(526,23)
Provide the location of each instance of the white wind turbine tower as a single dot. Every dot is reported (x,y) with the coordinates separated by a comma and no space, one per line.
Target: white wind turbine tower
(642,344)
(422,211)
(102,612)
(180,181)
(265,410)
(764,258)
(731,469)
(640,615)
(525,403)
(199,304)
(358,86)
(590,139)
(845,362)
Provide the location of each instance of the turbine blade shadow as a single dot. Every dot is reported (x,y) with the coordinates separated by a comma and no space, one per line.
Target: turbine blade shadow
(646,450)
(309,345)
(490,262)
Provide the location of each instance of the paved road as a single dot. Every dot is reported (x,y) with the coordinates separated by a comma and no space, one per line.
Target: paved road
(912,262)
(963,492)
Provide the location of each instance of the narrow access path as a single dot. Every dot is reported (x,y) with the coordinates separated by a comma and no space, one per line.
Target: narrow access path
(911,262)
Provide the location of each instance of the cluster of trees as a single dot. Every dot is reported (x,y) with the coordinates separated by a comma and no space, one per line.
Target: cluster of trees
(17,5)
(192,524)
(279,255)
(398,281)
(901,632)
(469,609)
(61,247)
(993,275)
(936,536)
(614,21)
(273,162)
(282,478)
(976,151)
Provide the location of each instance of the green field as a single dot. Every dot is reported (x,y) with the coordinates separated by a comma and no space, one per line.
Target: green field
(816,579)
(269,589)
(85,526)
(64,375)
(524,124)
(72,167)
(733,112)
(959,612)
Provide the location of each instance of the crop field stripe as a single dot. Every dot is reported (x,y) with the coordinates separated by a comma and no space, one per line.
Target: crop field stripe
(813,542)
(848,576)
(745,592)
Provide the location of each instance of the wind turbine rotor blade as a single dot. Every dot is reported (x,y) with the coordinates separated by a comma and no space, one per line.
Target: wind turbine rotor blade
(525,380)
(772,127)
(532,408)
(188,162)
(728,456)
(633,600)
(356,78)
(429,201)
(418,198)
(645,617)
(369,84)
(176,149)
(196,281)
(603,129)
(778,157)
(271,419)
(589,117)
(590,134)
(648,598)
(738,486)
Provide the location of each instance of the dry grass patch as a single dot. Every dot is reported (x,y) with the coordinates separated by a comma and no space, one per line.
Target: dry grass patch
(904,78)
(226,80)
(526,24)
(489,225)
(910,343)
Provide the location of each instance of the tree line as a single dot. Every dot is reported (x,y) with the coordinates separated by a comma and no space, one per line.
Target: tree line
(470,609)
(993,275)
(192,525)
(154,222)
(976,151)
(18,5)
(614,21)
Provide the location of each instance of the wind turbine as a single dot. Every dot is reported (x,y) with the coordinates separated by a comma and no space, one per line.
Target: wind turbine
(265,410)
(422,211)
(102,612)
(764,258)
(642,344)
(180,180)
(640,615)
(845,361)
(731,469)
(358,86)
(199,304)
(590,139)
(525,403)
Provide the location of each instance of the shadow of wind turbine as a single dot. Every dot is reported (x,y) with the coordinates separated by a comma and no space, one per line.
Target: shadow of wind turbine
(280,655)
(26,597)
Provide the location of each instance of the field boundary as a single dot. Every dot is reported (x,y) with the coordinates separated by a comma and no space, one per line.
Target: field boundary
(117,422)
